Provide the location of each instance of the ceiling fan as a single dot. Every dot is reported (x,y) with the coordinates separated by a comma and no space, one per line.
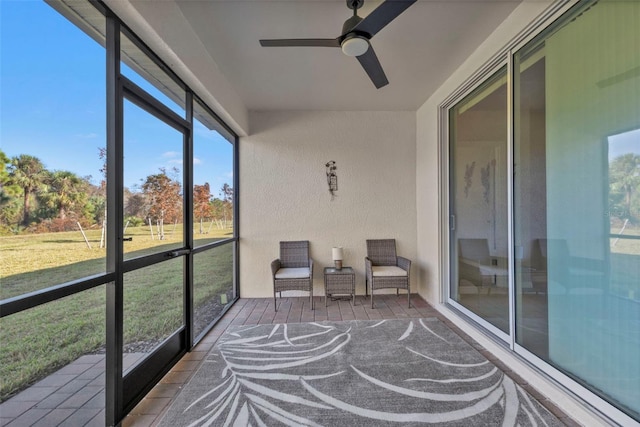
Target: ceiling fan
(356,35)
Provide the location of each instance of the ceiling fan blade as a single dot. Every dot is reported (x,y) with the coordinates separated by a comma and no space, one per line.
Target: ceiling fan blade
(301,42)
(371,65)
(381,16)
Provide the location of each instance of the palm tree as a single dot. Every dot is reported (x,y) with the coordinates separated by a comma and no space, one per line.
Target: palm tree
(624,178)
(28,173)
(67,193)
(7,189)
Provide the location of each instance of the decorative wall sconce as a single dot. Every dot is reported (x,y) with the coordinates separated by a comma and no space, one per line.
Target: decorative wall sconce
(336,254)
(332,177)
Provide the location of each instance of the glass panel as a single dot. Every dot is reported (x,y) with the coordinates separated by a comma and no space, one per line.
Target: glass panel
(213,285)
(39,341)
(153,308)
(530,199)
(624,213)
(213,180)
(52,204)
(153,184)
(577,199)
(141,70)
(478,126)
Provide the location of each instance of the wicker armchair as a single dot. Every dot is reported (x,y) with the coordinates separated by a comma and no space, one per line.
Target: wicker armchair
(477,266)
(293,271)
(384,269)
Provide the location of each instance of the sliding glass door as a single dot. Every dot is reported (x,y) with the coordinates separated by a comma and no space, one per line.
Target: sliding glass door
(577,200)
(569,220)
(478,194)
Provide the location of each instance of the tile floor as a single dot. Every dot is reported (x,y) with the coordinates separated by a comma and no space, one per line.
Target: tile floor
(74,396)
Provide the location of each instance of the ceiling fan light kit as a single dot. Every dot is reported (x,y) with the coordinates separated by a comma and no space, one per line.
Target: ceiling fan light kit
(356,33)
(355,45)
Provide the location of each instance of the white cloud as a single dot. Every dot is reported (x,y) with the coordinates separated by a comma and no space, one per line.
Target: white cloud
(170,154)
(197,161)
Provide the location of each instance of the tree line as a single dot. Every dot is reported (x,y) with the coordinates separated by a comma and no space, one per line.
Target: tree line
(34,199)
(624,187)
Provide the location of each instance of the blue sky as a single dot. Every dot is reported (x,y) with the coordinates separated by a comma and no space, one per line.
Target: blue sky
(623,143)
(52,102)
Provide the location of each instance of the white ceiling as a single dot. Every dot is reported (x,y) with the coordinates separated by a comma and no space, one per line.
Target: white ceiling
(418,50)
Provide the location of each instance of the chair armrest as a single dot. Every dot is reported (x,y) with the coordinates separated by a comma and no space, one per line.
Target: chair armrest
(472,262)
(311,267)
(275,266)
(404,264)
(367,267)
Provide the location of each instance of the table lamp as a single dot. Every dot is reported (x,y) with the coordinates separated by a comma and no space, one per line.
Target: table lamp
(337,257)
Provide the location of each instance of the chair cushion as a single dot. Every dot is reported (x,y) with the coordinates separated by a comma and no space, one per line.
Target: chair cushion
(387,271)
(293,273)
(492,270)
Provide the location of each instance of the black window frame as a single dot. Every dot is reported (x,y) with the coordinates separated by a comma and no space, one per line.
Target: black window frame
(118,87)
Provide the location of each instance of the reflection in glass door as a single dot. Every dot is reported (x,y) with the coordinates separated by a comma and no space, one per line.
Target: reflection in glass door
(577,200)
(478,197)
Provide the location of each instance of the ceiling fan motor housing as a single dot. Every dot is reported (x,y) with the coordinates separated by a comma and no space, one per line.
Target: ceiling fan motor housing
(353,43)
(350,23)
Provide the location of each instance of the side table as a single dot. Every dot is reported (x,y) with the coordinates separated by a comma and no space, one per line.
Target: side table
(341,281)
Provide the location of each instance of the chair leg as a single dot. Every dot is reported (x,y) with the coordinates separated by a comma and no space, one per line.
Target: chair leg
(409,297)
(371,297)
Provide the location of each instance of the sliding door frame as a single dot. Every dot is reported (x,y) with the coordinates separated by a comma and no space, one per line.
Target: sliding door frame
(448,229)
(504,56)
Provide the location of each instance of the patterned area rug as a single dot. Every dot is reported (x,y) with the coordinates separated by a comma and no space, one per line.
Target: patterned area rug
(355,373)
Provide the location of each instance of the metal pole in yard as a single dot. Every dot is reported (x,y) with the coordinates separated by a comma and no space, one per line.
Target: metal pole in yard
(151,228)
(84,235)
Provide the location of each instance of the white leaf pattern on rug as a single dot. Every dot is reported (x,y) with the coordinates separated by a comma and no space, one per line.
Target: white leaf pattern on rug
(407,332)
(355,373)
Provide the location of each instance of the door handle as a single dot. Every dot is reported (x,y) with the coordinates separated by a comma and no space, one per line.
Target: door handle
(179,252)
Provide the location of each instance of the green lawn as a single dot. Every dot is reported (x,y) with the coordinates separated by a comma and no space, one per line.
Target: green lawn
(38,341)
(37,261)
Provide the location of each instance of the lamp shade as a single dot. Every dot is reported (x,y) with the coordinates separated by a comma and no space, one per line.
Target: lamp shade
(336,253)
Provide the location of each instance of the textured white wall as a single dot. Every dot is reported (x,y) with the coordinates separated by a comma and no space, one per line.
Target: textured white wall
(285,196)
